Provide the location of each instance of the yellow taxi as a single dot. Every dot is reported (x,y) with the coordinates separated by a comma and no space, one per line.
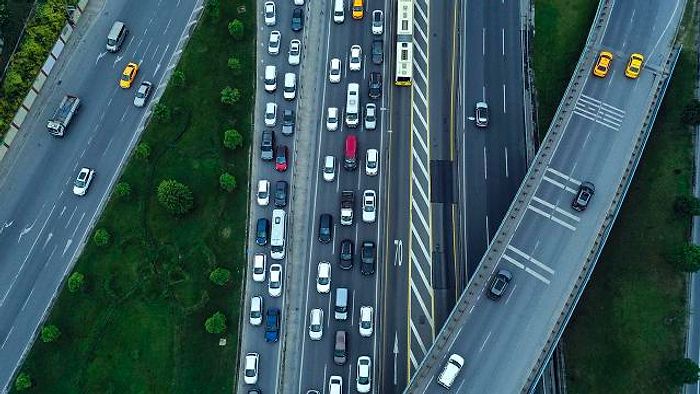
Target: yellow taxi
(602,66)
(634,66)
(358,9)
(128,75)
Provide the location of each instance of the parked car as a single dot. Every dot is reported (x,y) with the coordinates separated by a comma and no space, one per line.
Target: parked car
(256,310)
(345,257)
(367,255)
(250,373)
(267,145)
(323,277)
(269,12)
(288,122)
(316,324)
(281,192)
(262,231)
(377,51)
(370,116)
(377,22)
(274,286)
(294,57)
(272,325)
(281,158)
(375,85)
(297,19)
(259,267)
(274,43)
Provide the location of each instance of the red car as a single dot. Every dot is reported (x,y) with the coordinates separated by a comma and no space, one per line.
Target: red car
(281,158)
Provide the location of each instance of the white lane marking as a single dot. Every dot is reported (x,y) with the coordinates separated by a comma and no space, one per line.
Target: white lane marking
(483,41)
(485,340)
(558,184)
(505,152)
(417,296)
(503,41)
(415,333)
(414,362)
(556,208)
(420,140)
(526,269)
(426,254)
(531,259)
(7,337)
(488,236)
(420,116)
(485,169)
(551,217)
(504,98)
(425,200)
(562,175)
(512,291)
(421,273)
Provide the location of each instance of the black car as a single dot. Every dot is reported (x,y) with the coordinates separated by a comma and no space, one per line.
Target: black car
(375,85)
(297,19)
(272,325)
(325,228)
(267,145)
(499,284)
(346,254)
(377,51)
(368,257)
(262,231)
(281,189)
(288,121)
(583,197)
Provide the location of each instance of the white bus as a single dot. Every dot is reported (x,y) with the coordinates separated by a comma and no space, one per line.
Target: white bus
(404,43)
(278,234)
(352,105)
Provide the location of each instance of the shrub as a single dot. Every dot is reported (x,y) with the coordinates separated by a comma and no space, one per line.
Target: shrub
(161,112)
(101,237)
(50,333)
(220,276)
(227,182)
(686,205)
(23,381)
(235,28)
(234,64)
(682,371)
(687,257)
(122,190)
(76,281)
(214,8)
(143,151)
(216,324)
(230,95)
(175,197)
(691,113)
(178,78)
(232,139)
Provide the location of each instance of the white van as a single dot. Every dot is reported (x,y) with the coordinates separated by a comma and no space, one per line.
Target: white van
(116,36)
(270,78)
(290,86)
(451,370)
(339,11)
(352,105)
(277,234)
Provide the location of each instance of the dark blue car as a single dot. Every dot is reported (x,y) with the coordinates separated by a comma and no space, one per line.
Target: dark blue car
(297,19)
(261,231)
(272,325)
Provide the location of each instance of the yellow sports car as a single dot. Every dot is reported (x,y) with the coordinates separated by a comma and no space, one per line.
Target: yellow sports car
(128,75)
(602,66)
(634,66)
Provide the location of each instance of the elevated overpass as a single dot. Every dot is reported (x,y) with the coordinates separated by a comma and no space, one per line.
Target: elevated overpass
(598,134)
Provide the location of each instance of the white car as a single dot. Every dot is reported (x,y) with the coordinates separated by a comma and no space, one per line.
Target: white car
(250,375)
(270,15)
(335,70)
(366,324)
(316,324)
(270,114)
(335,385)
(355,58)
(259,267)
(329,168)
(274,287)
(298,2)
(273,46)
(294,57)
(83,181)
(142,94)
(377,22)
(332,119)
(323,277)
(369,206)
(370,116)
(364,374)
(263,194)
(256,310)
(372,162)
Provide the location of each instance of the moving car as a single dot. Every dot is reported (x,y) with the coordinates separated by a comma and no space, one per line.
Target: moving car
(334,70)
(323,277)
(372,162)
(602,65)
(358,9)
(634,66)
(269,12)
(325,228)
(274,43)
(450,371)
(142,94)
(375,85)
(370,116)
(329,168)
(355,58)
(272,325)
(281,158)
(288,122)
(366,324)
(270,114)
(335,385)
(583,197)
(294,57)
(482,114)
(345,257)
(340,348)
(250,373)
(297,19)
(256,310)
(262,231)
(377,22)
(369,206)
(332,119)
(364,372)
(83,181)
(377,51)
(316,324)
(267,145)
(499,284)
(281,192)
(367,255)
(263,194)
(128,75)
(270,78)
(274,286)
(290,86)
(259,267)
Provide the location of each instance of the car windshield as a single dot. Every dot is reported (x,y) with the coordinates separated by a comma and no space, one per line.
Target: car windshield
(79,183)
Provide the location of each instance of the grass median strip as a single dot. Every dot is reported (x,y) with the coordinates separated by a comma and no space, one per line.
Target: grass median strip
(137,324)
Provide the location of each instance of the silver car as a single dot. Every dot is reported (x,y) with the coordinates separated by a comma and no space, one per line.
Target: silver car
(142,94)
(370,116)
(482,114)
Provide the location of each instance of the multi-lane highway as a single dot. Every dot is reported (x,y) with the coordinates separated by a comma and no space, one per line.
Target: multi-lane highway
(43,225)
(545,242)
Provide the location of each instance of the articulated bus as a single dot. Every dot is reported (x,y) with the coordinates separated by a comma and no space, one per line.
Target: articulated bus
(404,43)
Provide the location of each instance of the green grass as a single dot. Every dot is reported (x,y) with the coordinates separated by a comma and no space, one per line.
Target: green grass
(17,12)
(631,319)
(139,325)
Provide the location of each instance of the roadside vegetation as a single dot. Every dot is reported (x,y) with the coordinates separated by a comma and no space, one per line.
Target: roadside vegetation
(628,330)
(159,282)
(13,15)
